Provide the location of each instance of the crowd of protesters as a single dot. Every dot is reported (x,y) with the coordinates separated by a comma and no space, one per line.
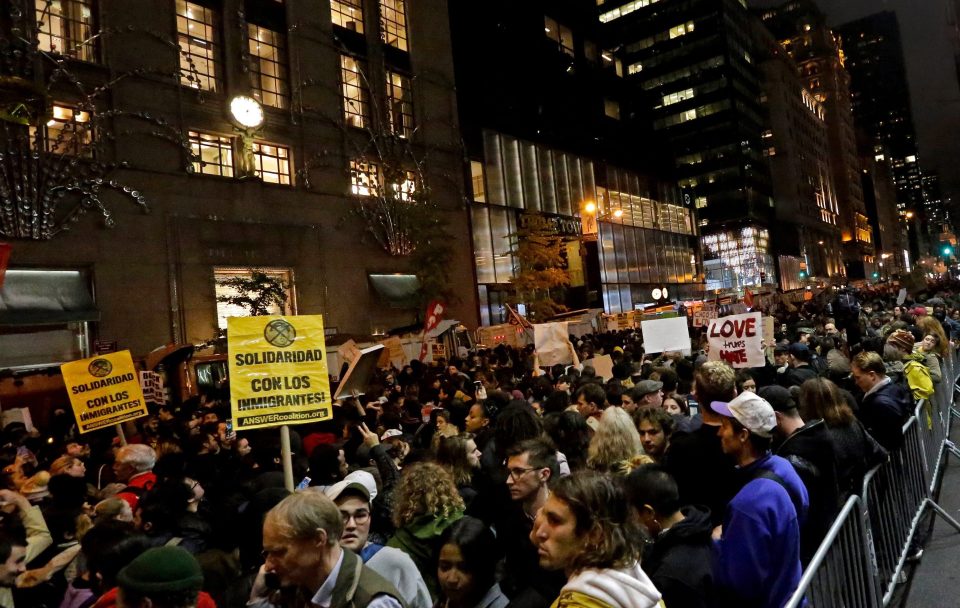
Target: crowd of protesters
(487,481)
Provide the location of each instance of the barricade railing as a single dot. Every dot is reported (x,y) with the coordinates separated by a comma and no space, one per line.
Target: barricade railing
(861,559)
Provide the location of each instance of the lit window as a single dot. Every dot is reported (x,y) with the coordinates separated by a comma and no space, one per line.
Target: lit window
(700,202)
(393,23)
(476,181)
(68,131)
(354,92)
(212,154)
(611,62)
(199,47)
(677,97)
(64,25)
(223,277)
(559,34)
(268,73)
(272,163)
(611,108)
(400,104)
(364,178)
(347,14)
(681,30)
(407,188)
(634,68)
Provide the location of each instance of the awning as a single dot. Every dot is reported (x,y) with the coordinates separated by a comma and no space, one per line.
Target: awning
(46,297)
(397,290)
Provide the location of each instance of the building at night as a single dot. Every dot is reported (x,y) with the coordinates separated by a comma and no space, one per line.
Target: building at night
(260,135)
(693,76)
(550,142)
(881,101)
(803,32)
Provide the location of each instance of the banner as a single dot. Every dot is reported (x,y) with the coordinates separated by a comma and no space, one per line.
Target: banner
(737,340)
(278,371)
(104,390)
(665,335)
(552,343)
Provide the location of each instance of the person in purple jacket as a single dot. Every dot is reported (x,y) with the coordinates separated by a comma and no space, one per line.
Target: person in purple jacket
(756,552)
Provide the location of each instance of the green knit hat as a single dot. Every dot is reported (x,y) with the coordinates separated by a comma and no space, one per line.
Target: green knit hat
(160,570)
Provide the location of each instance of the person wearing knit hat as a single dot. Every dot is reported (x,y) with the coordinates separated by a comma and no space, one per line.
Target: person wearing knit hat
(915,371)
(165,576)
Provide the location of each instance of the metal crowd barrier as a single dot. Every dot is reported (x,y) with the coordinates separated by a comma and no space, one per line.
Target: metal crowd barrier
(861,559)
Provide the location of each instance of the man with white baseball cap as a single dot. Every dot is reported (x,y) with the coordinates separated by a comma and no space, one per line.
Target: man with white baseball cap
(757,549)
(353,496)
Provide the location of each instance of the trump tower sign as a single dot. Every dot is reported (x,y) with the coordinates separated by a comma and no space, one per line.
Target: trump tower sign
(278,371)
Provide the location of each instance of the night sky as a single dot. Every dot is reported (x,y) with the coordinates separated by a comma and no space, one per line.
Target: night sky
(931,71)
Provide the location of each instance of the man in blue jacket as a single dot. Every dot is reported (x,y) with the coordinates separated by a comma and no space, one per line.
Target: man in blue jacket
(756,552)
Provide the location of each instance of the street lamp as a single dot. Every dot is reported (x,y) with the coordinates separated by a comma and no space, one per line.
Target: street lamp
(246,113)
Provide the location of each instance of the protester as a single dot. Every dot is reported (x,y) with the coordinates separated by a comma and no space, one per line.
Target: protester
(466,567)
(886,405)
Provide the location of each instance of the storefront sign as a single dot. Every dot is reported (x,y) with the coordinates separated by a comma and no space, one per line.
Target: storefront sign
(278,371)
(737,340)
(560,225)
(104,390)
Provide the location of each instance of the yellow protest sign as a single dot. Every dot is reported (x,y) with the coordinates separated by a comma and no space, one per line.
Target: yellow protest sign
(278,371)
(104,390)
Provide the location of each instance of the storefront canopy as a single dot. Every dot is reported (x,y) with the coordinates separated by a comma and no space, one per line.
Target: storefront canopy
(46,297)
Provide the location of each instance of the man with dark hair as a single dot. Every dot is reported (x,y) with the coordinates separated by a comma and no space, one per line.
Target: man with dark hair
(655,426)
(531,467)
(886,406)
(757,550)
(678,561)
(810,449)
(695,458)
(585,530)
(799,369)
(591,400)
(13,557)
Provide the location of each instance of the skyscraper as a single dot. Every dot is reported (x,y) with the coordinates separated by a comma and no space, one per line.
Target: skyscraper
(693,76)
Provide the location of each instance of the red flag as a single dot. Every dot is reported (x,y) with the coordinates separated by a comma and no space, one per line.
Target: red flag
(5,249)
(515,318)
(435,312)
(748,297)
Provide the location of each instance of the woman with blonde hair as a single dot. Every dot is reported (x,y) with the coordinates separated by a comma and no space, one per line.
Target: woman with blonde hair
(616,443)
(425,503)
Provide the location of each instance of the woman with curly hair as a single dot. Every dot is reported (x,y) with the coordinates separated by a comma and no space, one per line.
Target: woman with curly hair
(616,446)
(426,503)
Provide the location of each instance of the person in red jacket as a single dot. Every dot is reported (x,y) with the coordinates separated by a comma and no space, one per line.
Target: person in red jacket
(133,465)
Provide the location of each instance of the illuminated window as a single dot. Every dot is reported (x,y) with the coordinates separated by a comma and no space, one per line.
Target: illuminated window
(63,25)
(611,108)
(354,92)
(223,289)
(272,163)
(399,104)
(559,34)
(393,23)
(213,154)
(611,62)
(268,67)
(476,181)
(681,30)
(364,178)
(197,36)
(700,202)
(677,97)
(407,188)
(68,131)
(347,14)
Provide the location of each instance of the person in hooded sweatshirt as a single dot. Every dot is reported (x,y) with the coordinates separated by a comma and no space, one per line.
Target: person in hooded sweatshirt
(678,560)
(585,530)
(756,552)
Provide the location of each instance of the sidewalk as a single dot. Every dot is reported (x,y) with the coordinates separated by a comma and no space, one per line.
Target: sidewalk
(935,581)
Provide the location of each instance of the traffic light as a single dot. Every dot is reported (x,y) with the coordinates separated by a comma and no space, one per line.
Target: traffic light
(948,251)
(803,274)
(876,275)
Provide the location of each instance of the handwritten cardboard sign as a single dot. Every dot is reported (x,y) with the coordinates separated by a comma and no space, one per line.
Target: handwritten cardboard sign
(737,339)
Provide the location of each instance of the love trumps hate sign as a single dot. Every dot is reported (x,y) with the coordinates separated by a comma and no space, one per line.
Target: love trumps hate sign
(737,340)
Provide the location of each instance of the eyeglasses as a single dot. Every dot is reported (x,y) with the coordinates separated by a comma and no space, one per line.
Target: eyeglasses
(359,517)
(516,474)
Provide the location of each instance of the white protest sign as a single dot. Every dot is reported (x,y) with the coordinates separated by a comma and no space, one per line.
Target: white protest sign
(902,296)
(737,340)
(702,317)
(769,329)
(603,365)
(552,343)
(665,335)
